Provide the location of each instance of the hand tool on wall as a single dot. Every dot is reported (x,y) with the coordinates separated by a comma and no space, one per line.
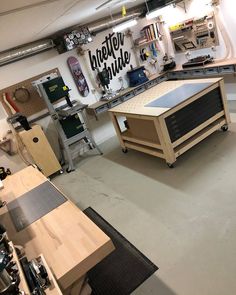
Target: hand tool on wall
(22,94)
(10,103)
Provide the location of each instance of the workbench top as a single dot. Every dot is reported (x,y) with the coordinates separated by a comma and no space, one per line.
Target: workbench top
(123,92)
(70,242)
(215,63)
(161,98)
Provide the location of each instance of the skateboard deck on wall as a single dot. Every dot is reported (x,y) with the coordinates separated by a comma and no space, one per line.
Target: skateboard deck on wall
(78,76)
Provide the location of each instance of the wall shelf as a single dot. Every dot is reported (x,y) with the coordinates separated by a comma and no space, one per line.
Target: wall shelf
(145,44)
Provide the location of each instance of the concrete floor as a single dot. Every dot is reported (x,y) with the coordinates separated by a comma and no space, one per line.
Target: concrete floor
(183,219)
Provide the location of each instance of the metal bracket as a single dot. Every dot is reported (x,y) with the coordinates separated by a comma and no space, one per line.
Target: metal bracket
(182,5)
(6,146)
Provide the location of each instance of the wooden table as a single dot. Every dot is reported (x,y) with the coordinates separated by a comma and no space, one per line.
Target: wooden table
(164,123)
(70,242)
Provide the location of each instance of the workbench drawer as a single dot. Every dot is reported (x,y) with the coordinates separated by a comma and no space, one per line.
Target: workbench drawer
(151,84)
(102,109)
(174,75)
(197,72)
(185,74)
(127,96)
(115,102)
(139,90)
(212,71)
(194,114)
(227,69)
(162,78)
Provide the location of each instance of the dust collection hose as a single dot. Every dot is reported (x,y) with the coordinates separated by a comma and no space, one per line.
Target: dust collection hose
(228,43)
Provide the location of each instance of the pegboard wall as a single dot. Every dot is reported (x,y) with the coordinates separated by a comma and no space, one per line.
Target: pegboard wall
(27,98)
(195,33)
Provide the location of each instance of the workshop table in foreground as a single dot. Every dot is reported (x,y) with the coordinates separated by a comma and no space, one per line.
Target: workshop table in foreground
(70,242)
(170,118)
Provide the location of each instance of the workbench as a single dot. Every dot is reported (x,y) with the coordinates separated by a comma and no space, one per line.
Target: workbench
(215,69)
(69,241)
(170,118)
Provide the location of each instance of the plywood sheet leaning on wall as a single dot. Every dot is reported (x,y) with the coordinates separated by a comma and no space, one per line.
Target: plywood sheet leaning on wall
(27,98)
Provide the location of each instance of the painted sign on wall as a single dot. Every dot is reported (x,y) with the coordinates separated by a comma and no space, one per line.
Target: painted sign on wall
(112,55)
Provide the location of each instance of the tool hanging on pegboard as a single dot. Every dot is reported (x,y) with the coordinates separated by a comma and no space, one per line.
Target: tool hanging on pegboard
(123,10)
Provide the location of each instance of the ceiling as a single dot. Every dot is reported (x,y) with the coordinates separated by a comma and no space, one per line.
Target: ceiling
(24,21)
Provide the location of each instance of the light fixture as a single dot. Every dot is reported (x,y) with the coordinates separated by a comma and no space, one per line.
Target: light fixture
(125,25)
(157,12)
(153,14)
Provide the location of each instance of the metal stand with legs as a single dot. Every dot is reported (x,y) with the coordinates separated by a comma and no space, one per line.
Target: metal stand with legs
(70,123)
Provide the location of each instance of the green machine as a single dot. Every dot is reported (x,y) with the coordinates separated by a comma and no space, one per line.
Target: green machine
(69,119)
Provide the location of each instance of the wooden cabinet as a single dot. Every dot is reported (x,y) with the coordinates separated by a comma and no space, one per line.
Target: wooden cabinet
(40,150)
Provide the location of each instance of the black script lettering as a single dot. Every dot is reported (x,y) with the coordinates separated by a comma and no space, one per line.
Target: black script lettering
(99,57)
(116,43)
(109,70)
(122,38)
(111,47)
(104,53)
(93,61)
(127,57)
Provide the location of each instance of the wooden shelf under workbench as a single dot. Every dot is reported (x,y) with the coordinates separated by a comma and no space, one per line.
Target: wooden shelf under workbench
(52,290)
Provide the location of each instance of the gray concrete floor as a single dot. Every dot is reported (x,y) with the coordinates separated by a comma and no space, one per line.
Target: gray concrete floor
(183,219)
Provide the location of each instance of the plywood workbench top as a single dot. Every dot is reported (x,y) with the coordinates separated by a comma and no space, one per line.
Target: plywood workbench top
(71,243)
(138,104)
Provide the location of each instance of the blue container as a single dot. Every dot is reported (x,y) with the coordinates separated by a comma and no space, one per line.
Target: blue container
(137,76)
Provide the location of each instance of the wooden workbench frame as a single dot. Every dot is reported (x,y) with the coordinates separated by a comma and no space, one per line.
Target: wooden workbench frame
(164,148)
(65,229)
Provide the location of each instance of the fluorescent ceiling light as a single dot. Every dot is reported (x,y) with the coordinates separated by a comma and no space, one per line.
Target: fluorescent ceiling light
(153,14)
(125,25)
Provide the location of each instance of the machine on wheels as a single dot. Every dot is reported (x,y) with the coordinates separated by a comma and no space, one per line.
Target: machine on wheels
(69,119)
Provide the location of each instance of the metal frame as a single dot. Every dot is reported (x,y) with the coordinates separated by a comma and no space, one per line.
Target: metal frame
(61,112)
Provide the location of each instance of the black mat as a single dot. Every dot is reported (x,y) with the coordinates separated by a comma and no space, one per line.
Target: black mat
(178,95)
(34,204)
(121,272)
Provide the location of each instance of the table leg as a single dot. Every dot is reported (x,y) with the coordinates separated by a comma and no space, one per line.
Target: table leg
(117,128)
(80,287)
(165,141)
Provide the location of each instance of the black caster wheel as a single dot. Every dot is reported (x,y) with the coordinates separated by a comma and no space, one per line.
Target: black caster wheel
(125,151)
(224,128)
(68,170)
(170,165)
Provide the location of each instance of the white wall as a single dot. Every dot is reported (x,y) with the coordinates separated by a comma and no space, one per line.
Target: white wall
(103,129)
(24,69)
